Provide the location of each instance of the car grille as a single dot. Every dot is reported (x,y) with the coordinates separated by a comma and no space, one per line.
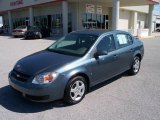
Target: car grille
(20,76)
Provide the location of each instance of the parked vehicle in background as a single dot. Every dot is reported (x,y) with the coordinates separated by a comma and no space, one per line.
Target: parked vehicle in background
(158,29)
(1,30)
(37,32)
(20,31)
(68,68)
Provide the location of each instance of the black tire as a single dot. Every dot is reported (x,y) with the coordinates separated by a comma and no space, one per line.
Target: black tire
(48,35)
(68,95)
(25,37)
(133,70)
(40,35)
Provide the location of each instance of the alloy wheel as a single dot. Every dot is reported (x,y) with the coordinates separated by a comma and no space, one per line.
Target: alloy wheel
(77,90)
(136,65)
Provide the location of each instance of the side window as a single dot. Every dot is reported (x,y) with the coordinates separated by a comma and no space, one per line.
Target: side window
(130,39)
(107,44)
(124,40)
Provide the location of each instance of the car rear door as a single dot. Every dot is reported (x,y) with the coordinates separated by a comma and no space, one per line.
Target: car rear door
(125,51)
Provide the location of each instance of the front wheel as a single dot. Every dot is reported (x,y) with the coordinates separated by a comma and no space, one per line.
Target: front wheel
(75,90)
(135,66)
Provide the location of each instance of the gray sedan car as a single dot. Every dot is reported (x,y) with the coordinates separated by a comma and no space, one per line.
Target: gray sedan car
(72,65)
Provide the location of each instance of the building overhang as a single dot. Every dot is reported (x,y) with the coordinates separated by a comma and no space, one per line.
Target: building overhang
(122,2)
(138,2)
(12,5)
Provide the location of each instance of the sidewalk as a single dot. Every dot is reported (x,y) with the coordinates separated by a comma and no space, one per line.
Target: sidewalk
(154,35)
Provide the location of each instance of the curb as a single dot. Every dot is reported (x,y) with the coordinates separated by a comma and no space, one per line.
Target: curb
(147,37)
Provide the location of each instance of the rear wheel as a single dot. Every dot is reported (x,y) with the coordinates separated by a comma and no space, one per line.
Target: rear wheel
(25,37)
(40,35)
(135,66)
(75,90)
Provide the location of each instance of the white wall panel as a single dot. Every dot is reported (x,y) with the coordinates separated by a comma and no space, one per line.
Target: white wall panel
(124,20)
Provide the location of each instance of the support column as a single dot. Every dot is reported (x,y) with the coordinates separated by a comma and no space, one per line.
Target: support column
(31,16)
(134,20)
(150,21)
(10,22)
(110,18)
(115,14)
(2,20)
(65,17)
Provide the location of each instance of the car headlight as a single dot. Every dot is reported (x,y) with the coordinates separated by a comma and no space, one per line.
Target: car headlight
(45,78)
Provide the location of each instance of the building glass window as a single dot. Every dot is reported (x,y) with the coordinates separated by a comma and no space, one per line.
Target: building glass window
(69,22)
(95,21)
(19,22)
(6,25)
(56,24)
(41,20)
(99,25)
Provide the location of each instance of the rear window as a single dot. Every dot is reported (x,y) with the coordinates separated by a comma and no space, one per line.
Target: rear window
(124,40)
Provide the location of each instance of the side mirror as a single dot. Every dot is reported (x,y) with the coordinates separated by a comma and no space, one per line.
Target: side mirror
(100,53)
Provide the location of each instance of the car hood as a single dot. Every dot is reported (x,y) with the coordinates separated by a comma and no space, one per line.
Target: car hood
(43,61)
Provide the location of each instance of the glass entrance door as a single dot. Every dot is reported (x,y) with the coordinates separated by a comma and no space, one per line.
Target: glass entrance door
(95,21)
(107,24)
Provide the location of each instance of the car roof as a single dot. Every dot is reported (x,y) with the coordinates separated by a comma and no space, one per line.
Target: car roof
(97,32)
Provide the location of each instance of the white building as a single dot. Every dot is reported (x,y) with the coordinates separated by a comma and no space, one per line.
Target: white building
(156,21)
(63,16)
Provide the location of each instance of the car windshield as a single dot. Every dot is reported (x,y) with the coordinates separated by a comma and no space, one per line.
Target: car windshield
(34,28)
(74,44)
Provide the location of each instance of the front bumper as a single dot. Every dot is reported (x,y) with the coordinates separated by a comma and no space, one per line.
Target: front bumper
(18,33)
(39,93)
(31,35)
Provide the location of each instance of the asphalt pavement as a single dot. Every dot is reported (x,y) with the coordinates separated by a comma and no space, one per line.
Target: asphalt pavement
(122,98)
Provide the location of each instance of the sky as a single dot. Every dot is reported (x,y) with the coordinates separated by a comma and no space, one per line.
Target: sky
(157,9)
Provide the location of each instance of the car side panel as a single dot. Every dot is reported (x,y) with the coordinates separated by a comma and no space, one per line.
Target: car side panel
(104,67)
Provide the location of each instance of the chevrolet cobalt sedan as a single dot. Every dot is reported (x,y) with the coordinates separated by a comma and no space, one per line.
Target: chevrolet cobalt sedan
(68,68)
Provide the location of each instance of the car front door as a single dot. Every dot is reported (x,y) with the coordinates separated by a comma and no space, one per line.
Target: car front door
(105,66)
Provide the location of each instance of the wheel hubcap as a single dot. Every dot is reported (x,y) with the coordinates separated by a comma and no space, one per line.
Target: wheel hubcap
(77,90)
(136,65)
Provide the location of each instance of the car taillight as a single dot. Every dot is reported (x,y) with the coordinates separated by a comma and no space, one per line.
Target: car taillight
(19,30)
